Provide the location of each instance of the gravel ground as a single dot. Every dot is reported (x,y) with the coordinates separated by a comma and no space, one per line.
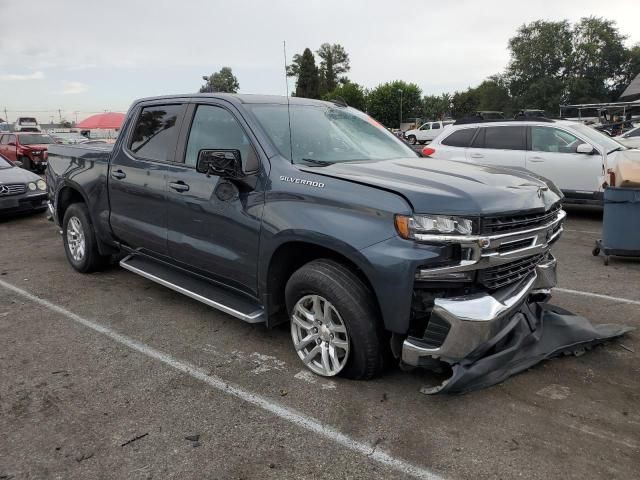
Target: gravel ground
(203,395)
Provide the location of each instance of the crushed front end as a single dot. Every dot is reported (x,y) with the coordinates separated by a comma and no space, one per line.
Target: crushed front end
(465,307)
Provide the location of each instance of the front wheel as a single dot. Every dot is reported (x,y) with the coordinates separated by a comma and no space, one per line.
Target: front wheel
(26,163)
(334,321)
(412,139)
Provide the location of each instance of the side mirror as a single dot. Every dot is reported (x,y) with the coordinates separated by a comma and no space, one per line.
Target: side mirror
(585,148)
(18,163)
(223,163)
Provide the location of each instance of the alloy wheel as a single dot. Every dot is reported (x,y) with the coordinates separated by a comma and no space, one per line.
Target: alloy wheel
(319,335)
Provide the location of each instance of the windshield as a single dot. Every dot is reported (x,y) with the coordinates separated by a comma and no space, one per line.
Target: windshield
(27,121)
(322,134)
(4,163)
(601,139)
(35,139)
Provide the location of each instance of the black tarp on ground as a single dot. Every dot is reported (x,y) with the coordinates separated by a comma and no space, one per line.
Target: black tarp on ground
(541,331)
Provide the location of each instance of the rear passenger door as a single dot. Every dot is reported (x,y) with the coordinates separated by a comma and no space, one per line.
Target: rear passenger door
(503,146)
(213,225)
(137,177)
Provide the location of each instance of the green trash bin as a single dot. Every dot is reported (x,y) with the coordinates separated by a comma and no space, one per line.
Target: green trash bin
(620,224)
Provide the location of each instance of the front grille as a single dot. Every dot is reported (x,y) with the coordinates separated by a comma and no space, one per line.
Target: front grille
(15,189)
(502,275)
(512,223)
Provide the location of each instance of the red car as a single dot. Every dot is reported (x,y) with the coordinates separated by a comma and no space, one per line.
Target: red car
(29,148)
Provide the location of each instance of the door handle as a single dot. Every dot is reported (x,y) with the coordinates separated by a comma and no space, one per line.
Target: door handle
(179,186)
(477,155)
(118,174)
(536,159)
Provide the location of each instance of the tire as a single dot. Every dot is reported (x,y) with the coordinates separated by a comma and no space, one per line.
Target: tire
(422,142)
(412,139)
(83,255)
(354,312)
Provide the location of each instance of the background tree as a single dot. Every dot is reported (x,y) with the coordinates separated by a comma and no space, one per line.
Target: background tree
(222,81)
(308,81)
(436,107)
(540,54)
(352,93)
(595,65)
(383,102)
(334,63)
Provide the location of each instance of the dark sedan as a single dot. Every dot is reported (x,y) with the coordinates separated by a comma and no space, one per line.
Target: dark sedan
(20,190)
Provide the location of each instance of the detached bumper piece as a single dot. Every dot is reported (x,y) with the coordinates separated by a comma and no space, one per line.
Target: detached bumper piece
(486,338)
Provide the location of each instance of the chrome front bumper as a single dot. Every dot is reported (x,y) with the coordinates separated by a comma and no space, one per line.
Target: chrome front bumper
(476,319)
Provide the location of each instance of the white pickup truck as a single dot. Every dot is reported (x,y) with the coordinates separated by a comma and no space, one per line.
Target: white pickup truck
(427,131)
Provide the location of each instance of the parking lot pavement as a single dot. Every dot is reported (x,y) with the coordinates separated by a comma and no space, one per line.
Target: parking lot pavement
(104,376)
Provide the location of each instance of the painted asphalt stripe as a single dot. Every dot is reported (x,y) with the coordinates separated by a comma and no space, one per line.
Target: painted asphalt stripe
(597,295)
(285,413)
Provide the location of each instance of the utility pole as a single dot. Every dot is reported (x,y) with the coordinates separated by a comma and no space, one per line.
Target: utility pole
(401,92)
(60,115)
(6,117)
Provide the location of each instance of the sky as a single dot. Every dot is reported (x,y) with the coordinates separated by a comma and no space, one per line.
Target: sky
(82,57)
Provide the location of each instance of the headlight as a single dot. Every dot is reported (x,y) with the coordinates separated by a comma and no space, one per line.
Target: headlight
(32,186)
(41,185)
(417,226)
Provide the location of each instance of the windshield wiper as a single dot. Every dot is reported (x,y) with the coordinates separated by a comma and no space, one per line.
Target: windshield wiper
(320,163)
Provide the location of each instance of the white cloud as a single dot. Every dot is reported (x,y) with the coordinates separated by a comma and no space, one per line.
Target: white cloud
(73,88)
(11,77)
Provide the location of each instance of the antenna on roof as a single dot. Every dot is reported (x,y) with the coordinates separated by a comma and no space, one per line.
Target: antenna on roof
(286,82)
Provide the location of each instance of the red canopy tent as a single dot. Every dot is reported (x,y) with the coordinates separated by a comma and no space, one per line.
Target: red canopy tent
(103,121)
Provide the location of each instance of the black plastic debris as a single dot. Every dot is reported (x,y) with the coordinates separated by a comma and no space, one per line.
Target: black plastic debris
(543,331)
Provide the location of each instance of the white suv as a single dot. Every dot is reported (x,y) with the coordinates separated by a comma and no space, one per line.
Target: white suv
(427,132)
(572,155)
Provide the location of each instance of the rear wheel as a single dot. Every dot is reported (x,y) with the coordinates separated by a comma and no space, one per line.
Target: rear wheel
(334,321)
(79,239)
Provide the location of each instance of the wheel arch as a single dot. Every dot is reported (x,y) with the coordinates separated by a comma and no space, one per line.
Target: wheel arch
(292,253)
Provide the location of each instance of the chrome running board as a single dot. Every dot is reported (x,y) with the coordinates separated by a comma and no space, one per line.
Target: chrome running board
(197,288)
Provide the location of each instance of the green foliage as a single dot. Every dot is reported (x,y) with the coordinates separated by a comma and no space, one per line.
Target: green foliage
(553,63)
(334,63)
(352,93)
(304,67)
(222,81)
(383,102)
(436,107)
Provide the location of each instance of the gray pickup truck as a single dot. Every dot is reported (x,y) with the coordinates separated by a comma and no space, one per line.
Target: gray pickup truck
(311,213)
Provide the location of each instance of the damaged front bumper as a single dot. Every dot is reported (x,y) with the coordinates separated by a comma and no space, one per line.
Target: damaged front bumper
(474,323)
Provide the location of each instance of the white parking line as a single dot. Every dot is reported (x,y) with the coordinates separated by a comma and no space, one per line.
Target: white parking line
(285,413)
(597,295)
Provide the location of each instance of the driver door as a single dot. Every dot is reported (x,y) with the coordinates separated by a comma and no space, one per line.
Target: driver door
(423,134)
(553,155)
(213,226)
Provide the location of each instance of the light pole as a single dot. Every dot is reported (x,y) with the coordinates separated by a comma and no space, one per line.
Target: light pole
(401,92)
(206,79)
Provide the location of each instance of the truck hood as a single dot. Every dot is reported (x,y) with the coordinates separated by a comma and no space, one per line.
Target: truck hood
(36,146)
(450,187)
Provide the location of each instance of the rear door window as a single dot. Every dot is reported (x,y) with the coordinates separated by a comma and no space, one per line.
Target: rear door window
(460,138)
(505,138)
(155,133)
(435,126)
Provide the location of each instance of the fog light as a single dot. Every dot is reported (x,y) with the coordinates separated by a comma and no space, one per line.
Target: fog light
(435,276)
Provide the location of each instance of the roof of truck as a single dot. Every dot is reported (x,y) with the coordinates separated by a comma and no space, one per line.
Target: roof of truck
(241,98)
